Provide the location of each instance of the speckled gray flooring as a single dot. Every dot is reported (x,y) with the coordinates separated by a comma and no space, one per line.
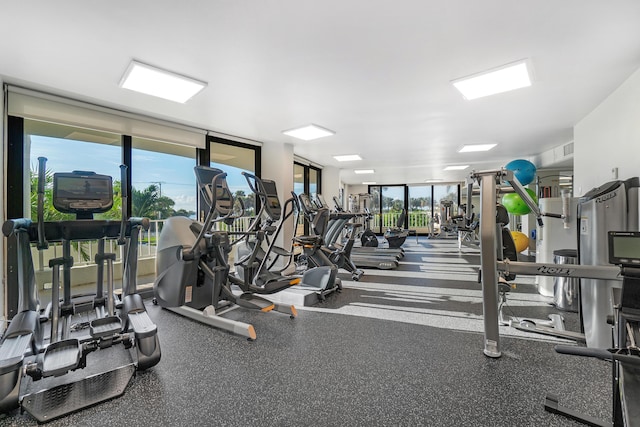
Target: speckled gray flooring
(399,348)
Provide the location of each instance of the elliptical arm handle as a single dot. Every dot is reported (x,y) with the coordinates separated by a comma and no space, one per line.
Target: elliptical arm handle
(42,176)
(208,221)
(124,184)
(254,184)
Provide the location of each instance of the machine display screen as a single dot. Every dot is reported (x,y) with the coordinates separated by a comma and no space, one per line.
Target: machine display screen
(272,195)
(82,192)
(624,247)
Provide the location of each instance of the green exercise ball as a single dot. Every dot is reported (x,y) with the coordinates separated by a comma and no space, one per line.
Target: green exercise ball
(515,205)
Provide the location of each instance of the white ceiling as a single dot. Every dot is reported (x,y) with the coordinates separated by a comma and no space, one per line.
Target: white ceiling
(376,72)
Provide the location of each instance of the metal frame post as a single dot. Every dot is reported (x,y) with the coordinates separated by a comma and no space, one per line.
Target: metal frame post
(488,263)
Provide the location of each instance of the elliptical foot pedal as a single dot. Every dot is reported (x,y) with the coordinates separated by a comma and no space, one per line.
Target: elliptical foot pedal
(61,357)
(249,300)
(142,324)
(105,327)
(64,399)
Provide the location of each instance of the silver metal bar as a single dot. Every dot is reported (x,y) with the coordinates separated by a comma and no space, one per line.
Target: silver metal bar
(604,272)
(513,181)
(55,303)
(488,262)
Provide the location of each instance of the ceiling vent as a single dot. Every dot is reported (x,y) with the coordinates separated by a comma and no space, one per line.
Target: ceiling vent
(568,149)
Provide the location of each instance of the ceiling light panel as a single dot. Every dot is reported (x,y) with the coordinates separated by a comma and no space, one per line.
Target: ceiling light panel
(369,183)
(476,148)
(364,171)
(154,81)
(347,158)
(309,132)
(456,168)
(503,79)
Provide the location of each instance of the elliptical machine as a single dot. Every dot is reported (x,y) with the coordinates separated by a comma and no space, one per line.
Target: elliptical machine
(24,350)
(256,265)
(192,264)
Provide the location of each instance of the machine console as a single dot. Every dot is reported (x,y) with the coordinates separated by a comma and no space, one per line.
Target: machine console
(224,199)
(272,203)
(82,193)
(624,248)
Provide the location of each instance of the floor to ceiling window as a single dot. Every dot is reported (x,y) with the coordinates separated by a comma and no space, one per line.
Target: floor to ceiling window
(445,204)
(420,208)
(75,136)
(425,206)
(393,203)
(162,179)
(233,158)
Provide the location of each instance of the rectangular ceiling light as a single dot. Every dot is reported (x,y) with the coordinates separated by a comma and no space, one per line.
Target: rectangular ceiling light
(475,148)
(502,79)
(456,168)
(309,132)
(363,171)
(369,183)
(347,158)
(154,81)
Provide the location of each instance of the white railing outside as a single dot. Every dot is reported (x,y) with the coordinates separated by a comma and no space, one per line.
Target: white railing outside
(416,220)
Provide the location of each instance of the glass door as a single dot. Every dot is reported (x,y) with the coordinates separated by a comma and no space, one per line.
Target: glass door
(420,211)
(392,203)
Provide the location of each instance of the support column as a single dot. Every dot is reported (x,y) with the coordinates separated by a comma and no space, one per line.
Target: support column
(488,262)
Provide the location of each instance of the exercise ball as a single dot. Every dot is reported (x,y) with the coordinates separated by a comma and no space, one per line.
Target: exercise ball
(521,241)
(524,170)
(515,205)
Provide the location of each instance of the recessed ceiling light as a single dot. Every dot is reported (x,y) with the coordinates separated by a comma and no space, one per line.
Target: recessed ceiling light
(369,183)
(502,79)
(309,132)
(476,147)
(154,81)
(347,158)
(456,168)
(363,171)
(434,180)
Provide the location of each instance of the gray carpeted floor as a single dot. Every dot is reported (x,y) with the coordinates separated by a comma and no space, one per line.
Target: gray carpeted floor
(399,348)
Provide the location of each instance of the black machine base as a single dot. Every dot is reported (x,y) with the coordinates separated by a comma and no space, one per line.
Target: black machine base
(64,399)
(551,405)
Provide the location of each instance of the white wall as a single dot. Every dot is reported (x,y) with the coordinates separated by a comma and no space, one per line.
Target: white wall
(331,184)
(609,137)
(2,213)
(277,164)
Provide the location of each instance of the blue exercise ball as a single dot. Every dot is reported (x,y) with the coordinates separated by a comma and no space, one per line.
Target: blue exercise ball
(524,170)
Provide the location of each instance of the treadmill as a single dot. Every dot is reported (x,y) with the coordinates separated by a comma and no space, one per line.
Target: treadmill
(357,250)
(365,257)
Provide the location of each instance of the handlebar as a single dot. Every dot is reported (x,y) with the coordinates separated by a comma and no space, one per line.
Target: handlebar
(599,353)
(13,225)
(124,197)
(208,221)
(254,182)
(42,169)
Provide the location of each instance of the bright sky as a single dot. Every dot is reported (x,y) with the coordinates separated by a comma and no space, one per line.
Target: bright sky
(174,174)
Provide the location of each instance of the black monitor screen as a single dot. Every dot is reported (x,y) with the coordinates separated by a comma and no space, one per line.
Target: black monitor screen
(624,247)
(273,203)
(82,192)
